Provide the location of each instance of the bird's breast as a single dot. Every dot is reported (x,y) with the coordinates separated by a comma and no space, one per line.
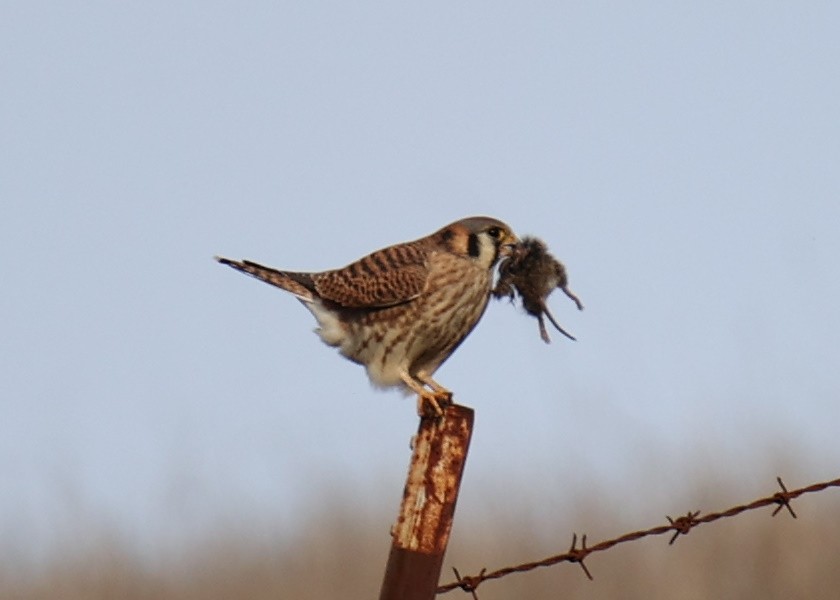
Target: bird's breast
(412,303)
(421,333)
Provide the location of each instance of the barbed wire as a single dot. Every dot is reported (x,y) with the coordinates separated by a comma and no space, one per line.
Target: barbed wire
(678,526)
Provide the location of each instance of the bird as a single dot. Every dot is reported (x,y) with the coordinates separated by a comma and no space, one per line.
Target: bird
(403,310)
(533,273)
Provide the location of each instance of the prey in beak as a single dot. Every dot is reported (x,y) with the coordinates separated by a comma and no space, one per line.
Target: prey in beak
(531,272)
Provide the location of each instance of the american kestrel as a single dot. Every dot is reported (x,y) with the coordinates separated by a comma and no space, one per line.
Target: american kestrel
(403,310)
(533,273)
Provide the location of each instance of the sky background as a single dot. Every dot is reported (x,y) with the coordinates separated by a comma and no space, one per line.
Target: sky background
(682,160)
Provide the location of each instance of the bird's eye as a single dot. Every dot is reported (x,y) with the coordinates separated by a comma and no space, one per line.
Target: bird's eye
(494,232)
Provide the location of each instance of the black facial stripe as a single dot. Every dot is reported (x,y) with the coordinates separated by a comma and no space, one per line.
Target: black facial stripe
(473,246)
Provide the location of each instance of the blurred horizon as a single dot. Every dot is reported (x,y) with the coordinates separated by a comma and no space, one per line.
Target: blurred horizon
(340,547)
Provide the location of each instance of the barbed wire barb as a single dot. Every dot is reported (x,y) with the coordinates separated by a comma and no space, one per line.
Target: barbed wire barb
(679,526)
(783,499)
(577,555)
(682,525)
(468,584)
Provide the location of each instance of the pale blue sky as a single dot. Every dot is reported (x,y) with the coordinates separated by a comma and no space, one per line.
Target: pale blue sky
(681,159)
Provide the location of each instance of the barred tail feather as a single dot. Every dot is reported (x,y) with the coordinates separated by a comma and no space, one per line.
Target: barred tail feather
(299,284)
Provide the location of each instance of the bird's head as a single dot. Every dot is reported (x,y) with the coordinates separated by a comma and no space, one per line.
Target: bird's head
(483,239)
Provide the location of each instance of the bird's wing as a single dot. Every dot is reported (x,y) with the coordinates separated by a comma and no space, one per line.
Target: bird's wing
(384,278)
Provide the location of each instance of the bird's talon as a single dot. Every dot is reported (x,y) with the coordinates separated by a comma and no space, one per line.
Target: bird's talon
(433,404)
(429,408)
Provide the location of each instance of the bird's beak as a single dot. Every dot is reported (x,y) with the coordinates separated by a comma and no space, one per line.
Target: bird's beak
(508,244)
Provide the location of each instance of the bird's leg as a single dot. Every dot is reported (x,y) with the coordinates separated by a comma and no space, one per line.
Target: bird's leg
(425,397)
(442,396)
(427,380)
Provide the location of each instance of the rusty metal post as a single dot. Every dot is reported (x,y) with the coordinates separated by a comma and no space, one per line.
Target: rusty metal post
(428,506)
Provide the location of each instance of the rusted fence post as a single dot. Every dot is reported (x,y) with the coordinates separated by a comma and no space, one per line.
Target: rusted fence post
(428,506)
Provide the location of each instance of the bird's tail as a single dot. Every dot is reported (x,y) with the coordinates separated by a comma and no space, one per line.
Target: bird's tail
(299,284)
